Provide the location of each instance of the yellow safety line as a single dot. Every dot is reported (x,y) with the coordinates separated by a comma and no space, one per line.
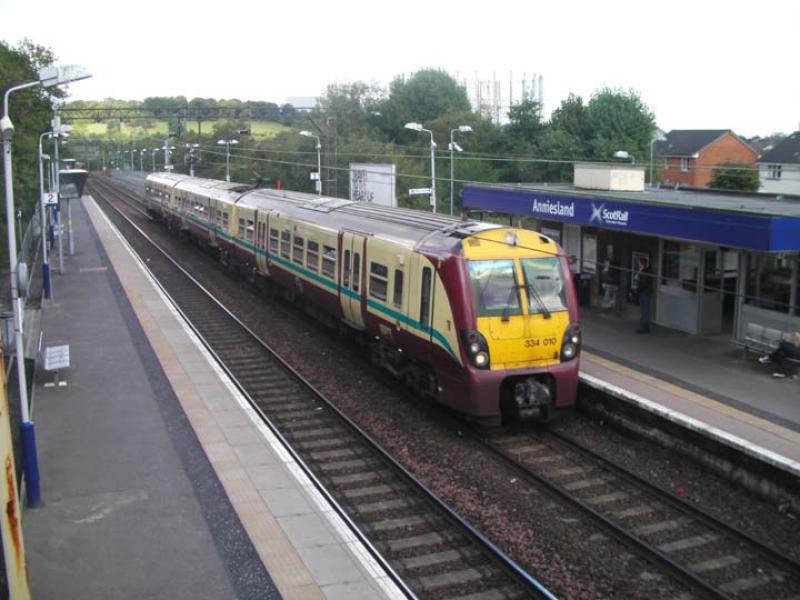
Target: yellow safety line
(694,397)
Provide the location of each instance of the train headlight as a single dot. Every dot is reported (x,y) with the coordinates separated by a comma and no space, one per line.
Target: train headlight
(476,348)
(572,342)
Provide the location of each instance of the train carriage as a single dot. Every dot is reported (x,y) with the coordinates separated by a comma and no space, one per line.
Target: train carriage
(480,317)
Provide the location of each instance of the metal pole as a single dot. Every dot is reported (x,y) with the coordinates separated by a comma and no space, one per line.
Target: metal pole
(70,237)
(153,156)
(141,158)
(58,197)
(227,161)
(451,171)
(319,168)
(651,161)
(28,437)
(48,292)
(433,173)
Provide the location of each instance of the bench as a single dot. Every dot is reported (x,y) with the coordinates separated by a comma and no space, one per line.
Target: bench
(765,340)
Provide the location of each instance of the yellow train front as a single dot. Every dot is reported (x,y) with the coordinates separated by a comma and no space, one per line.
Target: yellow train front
(519,324)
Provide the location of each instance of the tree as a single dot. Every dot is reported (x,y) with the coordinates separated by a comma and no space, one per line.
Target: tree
(733,175)
(426,95)
(617,120)
(30,111)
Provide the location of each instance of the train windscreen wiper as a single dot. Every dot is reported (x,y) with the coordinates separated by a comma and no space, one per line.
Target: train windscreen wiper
(532,292)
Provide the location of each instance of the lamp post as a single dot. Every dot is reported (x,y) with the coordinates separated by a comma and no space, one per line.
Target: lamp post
(419,127)
(319,160)
(658,137)
(62,130)
(48,76)
(227,144)
(453,146)
(153,156)
(141,159)
(190,148)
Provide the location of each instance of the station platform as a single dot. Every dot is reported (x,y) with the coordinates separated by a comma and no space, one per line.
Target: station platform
(704,382)
(158,479)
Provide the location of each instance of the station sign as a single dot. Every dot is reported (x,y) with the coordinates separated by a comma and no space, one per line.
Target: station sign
(56,358)
(419,191)
(49,199)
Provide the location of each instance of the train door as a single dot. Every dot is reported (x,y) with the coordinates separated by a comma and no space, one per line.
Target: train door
(351,277)
(260,219)
(421,303)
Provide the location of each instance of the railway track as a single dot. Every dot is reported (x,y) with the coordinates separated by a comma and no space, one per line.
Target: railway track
(715,559)
(433,552)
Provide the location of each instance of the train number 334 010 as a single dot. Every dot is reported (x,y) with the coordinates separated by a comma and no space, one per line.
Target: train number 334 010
(536,342)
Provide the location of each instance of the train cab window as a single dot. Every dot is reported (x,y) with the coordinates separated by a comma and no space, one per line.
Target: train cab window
(286,242)
(273,240)
(329,261)
(356,270)
(297,251)
(397,299)
(250,230)
(425,299)
(346,269)
(495,291)
(544,283)
(312,256)
(378,281)
(241,231)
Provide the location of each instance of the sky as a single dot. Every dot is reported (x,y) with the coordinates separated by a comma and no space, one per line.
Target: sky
(697,65)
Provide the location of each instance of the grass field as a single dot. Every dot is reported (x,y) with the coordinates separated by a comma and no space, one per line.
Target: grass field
(82,129)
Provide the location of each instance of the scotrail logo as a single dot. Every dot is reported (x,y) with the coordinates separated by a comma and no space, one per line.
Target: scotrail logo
(603,216)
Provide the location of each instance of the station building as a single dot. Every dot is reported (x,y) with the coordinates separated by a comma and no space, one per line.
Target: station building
(720,260)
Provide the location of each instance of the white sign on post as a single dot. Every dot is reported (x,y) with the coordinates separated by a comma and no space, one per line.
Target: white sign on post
(419,192)
(49,199)
(56,358)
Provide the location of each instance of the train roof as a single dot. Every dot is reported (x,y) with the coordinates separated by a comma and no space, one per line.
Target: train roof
(412,228)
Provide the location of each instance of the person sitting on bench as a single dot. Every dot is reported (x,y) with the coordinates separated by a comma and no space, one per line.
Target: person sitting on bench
(786,356)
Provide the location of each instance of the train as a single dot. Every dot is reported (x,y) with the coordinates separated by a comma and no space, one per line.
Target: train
(480,317)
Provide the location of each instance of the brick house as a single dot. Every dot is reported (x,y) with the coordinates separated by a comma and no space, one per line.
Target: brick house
(688,156)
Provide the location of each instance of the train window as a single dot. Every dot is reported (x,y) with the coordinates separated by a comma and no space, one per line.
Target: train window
(250,230)
(346,269)
(297,252)
(273,240)
(312,255)
(495,291)
(286,242)
(241,231)
(329,261)
(378,281)
(356,271)
(225,220)
(425,300)
(544,283)
(398,288)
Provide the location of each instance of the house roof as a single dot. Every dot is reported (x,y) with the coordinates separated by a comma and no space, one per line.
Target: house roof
(686,142)
(785,152)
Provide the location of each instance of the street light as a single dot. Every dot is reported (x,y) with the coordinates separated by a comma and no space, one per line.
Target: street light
(153,156)
(61,130)
(141,159)
(319,160)
(419,127)
(454,146)
(227,144)
(48,76)
(658,137)
(190,148)
(624,155)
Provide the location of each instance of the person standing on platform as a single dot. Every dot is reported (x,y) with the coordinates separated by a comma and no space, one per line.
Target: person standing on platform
(645,289)
(788,349)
